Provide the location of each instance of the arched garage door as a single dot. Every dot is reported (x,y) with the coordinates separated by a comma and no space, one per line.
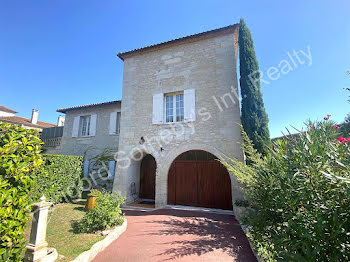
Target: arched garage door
(197,178)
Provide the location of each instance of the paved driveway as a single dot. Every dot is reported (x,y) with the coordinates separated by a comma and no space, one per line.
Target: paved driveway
(179,235)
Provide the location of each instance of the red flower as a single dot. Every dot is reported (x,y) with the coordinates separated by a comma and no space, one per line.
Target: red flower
(348,139)
(328,116)
(335,127)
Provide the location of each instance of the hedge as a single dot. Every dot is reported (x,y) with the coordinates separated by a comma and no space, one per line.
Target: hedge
(59,179)
(19,158)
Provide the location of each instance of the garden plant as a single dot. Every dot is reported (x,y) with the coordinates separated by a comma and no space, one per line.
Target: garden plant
(299,195)
(19,159)
(105,214)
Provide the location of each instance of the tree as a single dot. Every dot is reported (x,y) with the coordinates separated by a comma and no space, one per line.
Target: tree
(347,118)
(253,116)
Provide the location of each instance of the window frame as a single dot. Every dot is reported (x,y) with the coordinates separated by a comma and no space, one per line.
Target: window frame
(87,134)
(174,109)
(117,122)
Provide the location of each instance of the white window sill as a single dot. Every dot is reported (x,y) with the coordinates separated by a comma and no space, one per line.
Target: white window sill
(174,123)
(83,136)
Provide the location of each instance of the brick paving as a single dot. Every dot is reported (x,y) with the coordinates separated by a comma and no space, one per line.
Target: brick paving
(179,235)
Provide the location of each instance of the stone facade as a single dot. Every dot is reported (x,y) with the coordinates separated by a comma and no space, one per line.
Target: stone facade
(91,145)
(100,145)
(206,64)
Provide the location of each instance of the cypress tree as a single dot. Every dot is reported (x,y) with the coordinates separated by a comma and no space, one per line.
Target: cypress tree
(253,116)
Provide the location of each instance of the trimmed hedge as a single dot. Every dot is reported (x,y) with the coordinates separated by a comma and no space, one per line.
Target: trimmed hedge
(59,179)
(19,158)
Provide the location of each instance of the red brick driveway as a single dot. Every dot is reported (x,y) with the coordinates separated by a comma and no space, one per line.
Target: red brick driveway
(179,235)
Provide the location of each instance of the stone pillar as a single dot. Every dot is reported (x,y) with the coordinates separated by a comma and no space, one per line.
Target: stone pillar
(37,248)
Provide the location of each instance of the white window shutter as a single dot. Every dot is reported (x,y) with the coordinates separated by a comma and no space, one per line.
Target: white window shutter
(93,125)
(86,168)
(158,101)
(189,105)
(113,123)
(111,166)
(75,129)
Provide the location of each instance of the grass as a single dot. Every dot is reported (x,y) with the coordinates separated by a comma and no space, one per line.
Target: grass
(60,233)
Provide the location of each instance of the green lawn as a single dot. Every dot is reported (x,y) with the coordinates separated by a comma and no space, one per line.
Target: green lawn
(60,234)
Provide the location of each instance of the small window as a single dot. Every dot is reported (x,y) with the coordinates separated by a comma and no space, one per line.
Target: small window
(85,125)
(174,108)
(117,128)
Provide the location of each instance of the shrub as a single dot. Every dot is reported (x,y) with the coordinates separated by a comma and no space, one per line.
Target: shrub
(59,179)
(300,195)
(20,157)
(105,214)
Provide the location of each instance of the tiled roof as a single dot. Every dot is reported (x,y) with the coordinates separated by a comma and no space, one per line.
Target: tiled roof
(8,110)
(122,55)
(25,121)
(64,110)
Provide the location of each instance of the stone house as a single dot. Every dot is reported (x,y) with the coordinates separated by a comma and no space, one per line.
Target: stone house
(180,111)
(179,114)
(93,131)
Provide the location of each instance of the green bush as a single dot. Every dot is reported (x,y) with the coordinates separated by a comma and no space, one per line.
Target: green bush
(105,214)
(19,158)
(60,178)
(300,196)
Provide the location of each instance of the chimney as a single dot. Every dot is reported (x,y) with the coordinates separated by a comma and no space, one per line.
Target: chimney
(35,114)
(60,121)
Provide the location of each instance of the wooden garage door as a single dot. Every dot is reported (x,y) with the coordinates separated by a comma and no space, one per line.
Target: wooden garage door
(197,180)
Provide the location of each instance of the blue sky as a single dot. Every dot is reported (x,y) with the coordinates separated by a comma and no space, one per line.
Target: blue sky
(62,53)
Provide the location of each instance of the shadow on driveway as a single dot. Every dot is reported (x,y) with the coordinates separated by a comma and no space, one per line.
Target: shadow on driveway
(179,235)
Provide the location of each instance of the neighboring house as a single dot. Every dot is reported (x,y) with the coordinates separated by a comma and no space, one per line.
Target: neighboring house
(179,114)
(91,131)
(9,115)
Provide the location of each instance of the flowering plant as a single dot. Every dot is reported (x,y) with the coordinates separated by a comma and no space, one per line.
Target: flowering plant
(299,195)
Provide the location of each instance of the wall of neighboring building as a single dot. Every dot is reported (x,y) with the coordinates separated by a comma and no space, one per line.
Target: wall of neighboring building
(52,137)
(3,113)
(208,66)
(91,146)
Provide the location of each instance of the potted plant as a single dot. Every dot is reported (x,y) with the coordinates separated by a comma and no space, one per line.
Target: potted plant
(91,200)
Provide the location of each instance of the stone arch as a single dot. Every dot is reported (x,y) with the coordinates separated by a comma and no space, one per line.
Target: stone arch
(128,181)
(167,160)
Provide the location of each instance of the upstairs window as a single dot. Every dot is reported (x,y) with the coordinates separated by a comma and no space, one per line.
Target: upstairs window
(85,125)
(174,108)
(114,123)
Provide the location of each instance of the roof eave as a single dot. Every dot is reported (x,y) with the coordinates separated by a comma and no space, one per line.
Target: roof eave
(65,110)
(123,55)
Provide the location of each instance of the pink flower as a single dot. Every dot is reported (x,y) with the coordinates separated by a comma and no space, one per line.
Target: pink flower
(342,139)
(327,117)
(335,127)
(348,139)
